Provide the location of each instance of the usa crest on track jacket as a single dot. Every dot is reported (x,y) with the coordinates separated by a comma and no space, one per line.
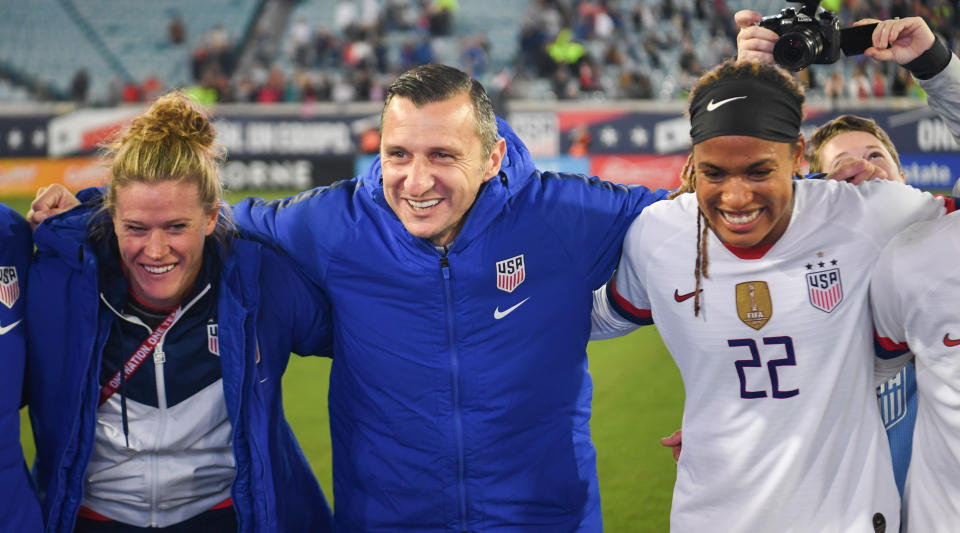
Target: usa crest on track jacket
(263,314)
(459,392)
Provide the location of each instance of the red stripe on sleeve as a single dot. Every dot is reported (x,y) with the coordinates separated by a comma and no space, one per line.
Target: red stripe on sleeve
(626,305)
(890,345)
(950,203)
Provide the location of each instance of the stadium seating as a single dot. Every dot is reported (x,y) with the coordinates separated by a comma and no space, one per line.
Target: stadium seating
(49,40)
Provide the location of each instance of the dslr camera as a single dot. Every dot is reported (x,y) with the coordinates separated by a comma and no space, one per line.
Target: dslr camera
(812,34)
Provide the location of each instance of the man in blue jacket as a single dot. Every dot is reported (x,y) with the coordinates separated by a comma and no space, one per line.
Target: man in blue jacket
(20,510)
(460,279)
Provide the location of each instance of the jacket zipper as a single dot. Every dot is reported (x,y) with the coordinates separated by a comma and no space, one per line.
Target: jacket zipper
(159,358)
(455,381)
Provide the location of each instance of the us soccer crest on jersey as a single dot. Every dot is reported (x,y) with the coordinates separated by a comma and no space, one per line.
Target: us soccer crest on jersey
(510,273)
(9,286)
(823,284)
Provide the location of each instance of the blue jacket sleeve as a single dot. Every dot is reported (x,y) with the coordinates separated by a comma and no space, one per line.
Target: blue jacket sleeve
(20,510)
(299,225)
(594,215)
(293,303)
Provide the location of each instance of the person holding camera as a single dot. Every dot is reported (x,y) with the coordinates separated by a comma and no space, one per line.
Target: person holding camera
(771,332)
(856,149)
(908,42)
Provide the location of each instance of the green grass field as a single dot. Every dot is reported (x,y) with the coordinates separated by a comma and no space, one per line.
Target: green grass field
(638,398)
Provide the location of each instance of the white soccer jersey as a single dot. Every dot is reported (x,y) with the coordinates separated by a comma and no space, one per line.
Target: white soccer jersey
(915,293)
(781,430)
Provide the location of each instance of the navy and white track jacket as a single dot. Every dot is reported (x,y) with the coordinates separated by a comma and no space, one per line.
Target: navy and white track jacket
(264,311)
(459,394)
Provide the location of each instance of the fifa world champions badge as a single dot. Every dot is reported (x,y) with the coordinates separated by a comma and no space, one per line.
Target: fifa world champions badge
(9,286)
(823,285)
(511,273)
(754,306)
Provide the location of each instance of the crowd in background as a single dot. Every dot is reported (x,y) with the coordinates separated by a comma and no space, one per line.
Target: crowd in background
(564,49)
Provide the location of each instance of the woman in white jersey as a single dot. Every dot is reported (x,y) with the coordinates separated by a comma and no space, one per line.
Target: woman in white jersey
(857,149)
(758,285)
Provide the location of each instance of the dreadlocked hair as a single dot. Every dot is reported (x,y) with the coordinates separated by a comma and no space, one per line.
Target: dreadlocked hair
(728,70)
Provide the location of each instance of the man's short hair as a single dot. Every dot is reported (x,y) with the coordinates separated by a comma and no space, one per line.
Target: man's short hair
(432,83)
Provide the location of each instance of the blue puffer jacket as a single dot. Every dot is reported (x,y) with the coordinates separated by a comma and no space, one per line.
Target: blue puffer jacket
(19,510)
(460,396)
(265,311)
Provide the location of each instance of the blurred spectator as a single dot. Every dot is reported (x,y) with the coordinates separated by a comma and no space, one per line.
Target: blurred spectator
(440,17)
(358,54)
(114,91)
(79,86)
(301,41)
(131,92)
(345,18)
(901,83)
(329,49)
(635,85)
(564,50)
(474,54)
(835,86)
(858,87)
(588,76)
(264,45)
(176,30)
(362,84)
(151,88)
(878,83)
(418,52)
(534,58)
(245,90)
(275,88)
(399,15)
(565,87)
(580,146)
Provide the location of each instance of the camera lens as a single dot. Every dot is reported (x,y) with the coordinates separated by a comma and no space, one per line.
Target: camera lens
(797,49)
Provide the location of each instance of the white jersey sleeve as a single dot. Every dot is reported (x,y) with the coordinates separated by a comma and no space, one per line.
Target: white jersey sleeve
(891,207)
(605,321)
(890,341)
(913,294)
(625,291)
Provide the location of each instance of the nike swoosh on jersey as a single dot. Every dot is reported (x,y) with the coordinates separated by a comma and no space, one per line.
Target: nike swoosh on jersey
(713,105)
(5,329)
(950,343)
(682,297)
(498,314)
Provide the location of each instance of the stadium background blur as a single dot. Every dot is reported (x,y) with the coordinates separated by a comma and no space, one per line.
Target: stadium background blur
(296,87)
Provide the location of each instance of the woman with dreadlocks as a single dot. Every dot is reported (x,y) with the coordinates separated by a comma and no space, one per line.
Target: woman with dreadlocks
(758,285)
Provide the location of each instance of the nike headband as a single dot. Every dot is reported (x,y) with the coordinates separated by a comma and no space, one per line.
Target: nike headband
(750,107)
